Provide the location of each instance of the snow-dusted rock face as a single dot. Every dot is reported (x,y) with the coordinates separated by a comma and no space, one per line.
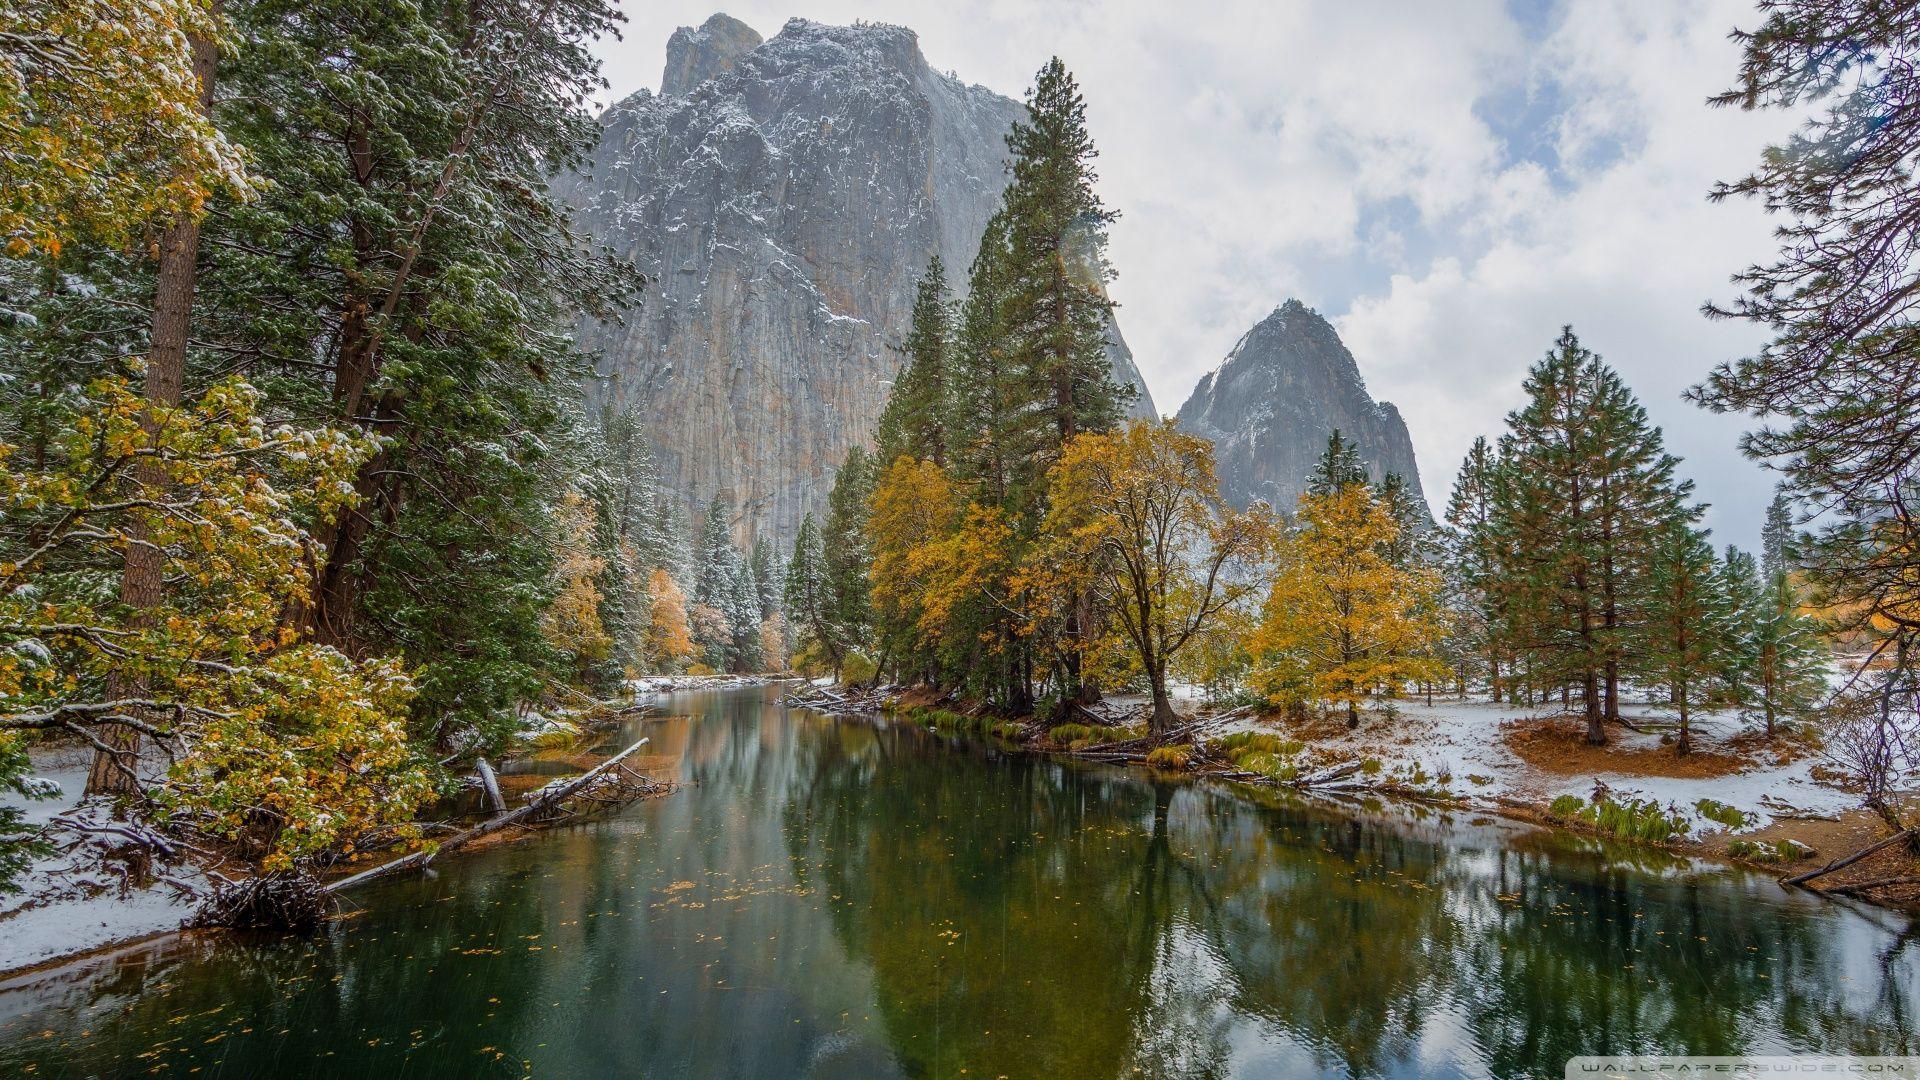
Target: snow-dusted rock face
(1270,405)
(784,197)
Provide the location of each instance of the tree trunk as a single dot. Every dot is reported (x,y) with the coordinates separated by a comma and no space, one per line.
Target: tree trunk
(1163,718)
(1596,732)
(1684,746)
(142,574)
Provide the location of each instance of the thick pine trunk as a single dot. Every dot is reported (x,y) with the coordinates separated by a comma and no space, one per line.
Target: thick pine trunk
(142,574)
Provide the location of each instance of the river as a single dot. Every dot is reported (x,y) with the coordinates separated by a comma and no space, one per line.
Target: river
(844,898)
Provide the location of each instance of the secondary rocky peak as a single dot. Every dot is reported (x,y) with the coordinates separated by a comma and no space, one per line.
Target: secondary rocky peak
(1270,405)
(694,56)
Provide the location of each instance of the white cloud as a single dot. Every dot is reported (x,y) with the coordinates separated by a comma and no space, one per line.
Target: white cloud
(1348,154)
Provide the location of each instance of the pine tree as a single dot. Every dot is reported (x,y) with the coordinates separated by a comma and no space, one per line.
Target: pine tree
(1687,615)
(1836,376)
(766,578)
(1411,544)
(1056,307)
(1777,536)
(916,421)
(1339,465)
(1588,489)
(806,596)
(743,616)
(715,578)
(1474,564)
(845,559)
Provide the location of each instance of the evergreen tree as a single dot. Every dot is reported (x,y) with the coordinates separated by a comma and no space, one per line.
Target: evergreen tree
(1589,489)
(743,616)
(806,595)
(845,559)
(1474,564)
(1411,544)
(766,578)
(714,591)
(1338,466)
(1687,615)
(915,421)
(1056,308)
(1836,377)
(983,388)
(1776,537)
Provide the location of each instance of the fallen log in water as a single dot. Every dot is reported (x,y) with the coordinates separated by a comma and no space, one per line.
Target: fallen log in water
(839,700)
(540,805)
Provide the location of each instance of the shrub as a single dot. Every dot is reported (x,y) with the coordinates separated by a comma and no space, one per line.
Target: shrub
(857,670)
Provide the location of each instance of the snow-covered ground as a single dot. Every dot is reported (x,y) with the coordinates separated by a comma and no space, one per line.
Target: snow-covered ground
(68,903)
(1460,747)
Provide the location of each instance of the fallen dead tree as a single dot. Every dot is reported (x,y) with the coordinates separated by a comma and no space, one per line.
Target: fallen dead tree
(609,783)
(1843,863)
(839,700)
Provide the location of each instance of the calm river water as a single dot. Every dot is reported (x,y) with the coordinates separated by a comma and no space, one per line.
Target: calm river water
(851,899)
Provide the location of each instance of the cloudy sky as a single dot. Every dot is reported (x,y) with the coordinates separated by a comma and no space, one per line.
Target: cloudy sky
(1449,183)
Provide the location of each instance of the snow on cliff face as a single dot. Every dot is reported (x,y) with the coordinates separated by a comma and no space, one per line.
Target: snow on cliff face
(783,196)
(1270,405)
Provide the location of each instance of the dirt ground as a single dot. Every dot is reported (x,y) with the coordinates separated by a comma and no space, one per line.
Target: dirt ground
(1559,746)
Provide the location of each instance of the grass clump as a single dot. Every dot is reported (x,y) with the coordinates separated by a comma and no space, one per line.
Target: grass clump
(1765,851)
(1642,820)
(1272,756)
(1730,816)
(1169,757)
(1069,734)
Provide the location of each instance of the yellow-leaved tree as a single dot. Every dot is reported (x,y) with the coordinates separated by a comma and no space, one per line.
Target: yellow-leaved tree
(669,641)
(285,747)
(101,121)
(1343,622)
(1136,521)
(911,518)
(573,624)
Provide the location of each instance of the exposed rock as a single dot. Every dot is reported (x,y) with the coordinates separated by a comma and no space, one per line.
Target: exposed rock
(1270,405)
(694,56)
(784,197)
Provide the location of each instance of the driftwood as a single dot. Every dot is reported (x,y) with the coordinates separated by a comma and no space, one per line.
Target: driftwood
(1841,864)
(490,785)
(1326,776)
(839,700)
(541,803)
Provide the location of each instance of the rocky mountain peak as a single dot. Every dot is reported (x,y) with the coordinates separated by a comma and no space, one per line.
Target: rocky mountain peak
(694,56)
(783,197)
(1271,403)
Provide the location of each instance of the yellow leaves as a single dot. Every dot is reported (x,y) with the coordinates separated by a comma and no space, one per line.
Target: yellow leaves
(669,640)
(1342,621)
(101,116)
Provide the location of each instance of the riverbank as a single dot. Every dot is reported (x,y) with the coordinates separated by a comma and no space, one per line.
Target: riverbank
(74,902)
(1781,805)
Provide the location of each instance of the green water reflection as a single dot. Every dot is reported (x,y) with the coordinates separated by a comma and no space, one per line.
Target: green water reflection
(841,899)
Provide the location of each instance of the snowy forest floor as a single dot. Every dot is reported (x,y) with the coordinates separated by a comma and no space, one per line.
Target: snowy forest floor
(1515,761)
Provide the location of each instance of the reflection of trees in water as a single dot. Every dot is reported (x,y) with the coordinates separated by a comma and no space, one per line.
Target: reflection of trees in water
(1009,915)
(1131,924)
